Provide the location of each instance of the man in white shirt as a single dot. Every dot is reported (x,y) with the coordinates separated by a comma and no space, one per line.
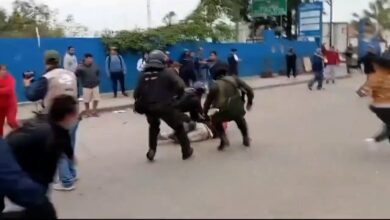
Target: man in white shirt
(70,60)
(141,62)
(71,64)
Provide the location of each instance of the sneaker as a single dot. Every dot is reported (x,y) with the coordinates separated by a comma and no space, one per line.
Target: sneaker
(81,99)
(370,140)
(125,94)
(371,144)
(60,187)
(310,88)
(224,143)
(150,155)
(188,155)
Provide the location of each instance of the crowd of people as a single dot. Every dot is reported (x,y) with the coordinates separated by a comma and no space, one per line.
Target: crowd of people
(33,152)
(167,90)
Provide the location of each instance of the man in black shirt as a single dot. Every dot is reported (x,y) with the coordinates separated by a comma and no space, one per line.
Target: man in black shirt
(39,144)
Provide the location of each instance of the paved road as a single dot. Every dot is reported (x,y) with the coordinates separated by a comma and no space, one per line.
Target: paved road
(308,160)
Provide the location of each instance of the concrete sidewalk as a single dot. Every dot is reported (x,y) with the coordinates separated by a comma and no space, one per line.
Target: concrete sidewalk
(108,103)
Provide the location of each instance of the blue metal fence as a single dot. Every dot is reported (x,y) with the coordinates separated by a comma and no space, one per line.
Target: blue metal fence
(24,54)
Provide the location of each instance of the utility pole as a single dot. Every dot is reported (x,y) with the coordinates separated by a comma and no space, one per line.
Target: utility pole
(149,12)
(330,2)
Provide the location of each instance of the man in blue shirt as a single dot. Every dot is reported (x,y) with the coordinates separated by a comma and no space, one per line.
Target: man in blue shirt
(318,65)
(116,70)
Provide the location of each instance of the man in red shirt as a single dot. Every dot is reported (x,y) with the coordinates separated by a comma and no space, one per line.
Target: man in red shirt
(8,101)
(333,58)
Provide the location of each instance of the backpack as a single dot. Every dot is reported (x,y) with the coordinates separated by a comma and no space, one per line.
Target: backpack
(141,104)
(120,60)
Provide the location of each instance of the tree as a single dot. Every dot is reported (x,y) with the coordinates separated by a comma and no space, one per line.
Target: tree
(239,11)
(203,24)
(74,29)
(169,18)
(377,16)
(27,15)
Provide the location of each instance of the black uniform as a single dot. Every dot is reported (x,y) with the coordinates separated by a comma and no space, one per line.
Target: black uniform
(191,102)
(187,71)
(215,67)
(155,94)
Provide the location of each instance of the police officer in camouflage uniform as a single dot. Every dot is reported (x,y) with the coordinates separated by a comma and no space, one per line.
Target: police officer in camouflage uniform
(225,95)
(155,95)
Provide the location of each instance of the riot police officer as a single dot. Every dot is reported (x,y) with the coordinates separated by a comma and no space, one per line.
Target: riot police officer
(155,94)
(226,96)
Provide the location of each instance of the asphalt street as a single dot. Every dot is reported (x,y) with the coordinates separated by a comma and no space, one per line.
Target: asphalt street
(308,160)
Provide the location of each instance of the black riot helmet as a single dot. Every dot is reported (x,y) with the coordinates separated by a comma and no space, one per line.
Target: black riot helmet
(157,60)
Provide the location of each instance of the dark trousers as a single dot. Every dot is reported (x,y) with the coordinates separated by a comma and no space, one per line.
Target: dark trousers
(115,78)
(219,119)
(189,79)
(383,135)
(79,89)
(173,118)
(384,115)
(319,78)
(44,211)
(293,69)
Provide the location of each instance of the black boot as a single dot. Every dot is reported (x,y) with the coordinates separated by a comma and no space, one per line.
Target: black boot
(247,142)
(188,154)
(224,143)
(150,155)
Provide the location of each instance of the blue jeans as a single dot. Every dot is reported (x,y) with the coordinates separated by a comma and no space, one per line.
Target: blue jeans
(66,168)
(319,78)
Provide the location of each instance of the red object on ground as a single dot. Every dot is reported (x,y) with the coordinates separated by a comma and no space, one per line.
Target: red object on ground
(333,57)
(8,102)
(225,125)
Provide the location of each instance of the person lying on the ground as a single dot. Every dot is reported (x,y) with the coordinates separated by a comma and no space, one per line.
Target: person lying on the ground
(196,131)
(21,189)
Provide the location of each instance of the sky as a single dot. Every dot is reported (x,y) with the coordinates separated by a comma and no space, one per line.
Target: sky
(98,15)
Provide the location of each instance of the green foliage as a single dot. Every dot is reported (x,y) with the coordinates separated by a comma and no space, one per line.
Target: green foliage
(27,15)
(378,13)
(377,17)
(202,24)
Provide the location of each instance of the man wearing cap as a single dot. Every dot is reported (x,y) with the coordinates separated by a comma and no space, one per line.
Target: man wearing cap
(154,96)
(55,82)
